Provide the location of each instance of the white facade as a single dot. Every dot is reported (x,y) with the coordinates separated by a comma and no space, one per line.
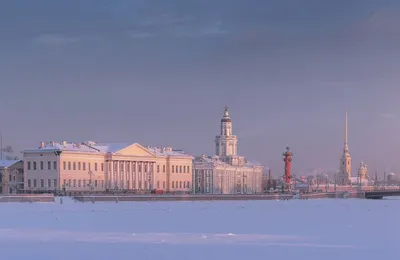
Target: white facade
(226,172)
(217,177)
(345,162)
(82,167)
(11,176)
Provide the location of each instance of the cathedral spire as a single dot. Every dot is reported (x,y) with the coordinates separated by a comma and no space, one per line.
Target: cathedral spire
(345,135)
(346,145)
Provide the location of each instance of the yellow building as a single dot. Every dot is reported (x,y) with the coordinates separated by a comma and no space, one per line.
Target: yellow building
(75,168)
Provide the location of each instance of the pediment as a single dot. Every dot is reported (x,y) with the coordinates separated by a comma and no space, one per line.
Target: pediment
(135,150)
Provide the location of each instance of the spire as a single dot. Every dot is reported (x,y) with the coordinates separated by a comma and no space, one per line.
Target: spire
(345,136)
(346,146)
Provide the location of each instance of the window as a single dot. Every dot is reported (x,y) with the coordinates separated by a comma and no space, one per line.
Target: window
(158,168)
(79,166)
(74,183)
(41,183)
(69,166)
(48,183)
(34,183)
(55,165)
(55,183)
(79,183)
(180,185)
(64,165)
(188,184)
(158,184)
(29,183)
(84,166)
(173,169)
(84,183)
(69,183)
(140,168)
(9,177)
(74,166)
(134,167)
(180,169)
(48,165)
(95,183)
(34,166)
(102,167)
(163,168)
(102,183)
(172,184)
(176,169)
(145,168)
(95,167)
(41,165)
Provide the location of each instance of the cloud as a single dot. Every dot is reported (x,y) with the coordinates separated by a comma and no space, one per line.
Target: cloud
(59,39)
(175,26)
(388,116)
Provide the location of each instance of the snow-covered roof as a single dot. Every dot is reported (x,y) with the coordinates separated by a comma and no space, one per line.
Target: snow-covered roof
(93,147)
(216,160)
(167,151)
(8,163)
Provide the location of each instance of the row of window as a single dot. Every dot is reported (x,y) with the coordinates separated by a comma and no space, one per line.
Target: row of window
(51,183)
(81,166)
(73,166)
(33,165)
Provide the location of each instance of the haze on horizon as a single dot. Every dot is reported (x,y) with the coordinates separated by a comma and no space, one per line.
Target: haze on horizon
(161,72)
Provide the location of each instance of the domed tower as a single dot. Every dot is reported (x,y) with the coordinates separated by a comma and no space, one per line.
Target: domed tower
(226,143)
(362,172)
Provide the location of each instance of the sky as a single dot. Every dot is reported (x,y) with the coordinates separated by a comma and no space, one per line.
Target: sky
(160,72)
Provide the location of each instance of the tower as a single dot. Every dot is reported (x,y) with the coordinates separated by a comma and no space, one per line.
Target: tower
(226,143)
(362,173)
(345,161)
(287,158)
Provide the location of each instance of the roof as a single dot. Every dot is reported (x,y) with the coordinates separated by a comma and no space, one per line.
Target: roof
(101,148)
(216,160)
(168,151)
(8,163)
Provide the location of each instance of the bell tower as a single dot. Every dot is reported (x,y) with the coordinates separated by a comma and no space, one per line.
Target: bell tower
(345,160)
(226,142)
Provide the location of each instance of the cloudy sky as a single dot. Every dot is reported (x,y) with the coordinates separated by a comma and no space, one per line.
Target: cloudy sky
(160,72)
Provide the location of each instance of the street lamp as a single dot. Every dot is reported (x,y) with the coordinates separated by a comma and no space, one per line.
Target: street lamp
(90,182)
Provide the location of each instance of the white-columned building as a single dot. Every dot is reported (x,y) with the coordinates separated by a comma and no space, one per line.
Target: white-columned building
(75,168)
(226,172)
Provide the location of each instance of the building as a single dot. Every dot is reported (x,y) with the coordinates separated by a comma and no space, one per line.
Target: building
(344,175)
(226,172)
(75,168)
(11,176)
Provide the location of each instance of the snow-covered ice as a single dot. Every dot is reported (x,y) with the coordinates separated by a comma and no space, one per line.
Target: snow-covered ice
(310,229)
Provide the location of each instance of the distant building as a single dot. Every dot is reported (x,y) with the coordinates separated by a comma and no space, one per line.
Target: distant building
(345,162)
(11,176)
(226,172)
(75,168)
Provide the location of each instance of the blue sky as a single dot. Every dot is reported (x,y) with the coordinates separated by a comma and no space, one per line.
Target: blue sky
(160,72)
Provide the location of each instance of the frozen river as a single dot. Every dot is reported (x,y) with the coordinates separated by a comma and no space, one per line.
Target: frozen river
(312,229)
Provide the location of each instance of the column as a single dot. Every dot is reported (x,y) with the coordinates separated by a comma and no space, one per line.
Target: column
(130,175)
(122,172)
(111,175)
(118,175)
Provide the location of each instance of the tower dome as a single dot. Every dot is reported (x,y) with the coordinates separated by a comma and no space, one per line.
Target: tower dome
(226,117)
